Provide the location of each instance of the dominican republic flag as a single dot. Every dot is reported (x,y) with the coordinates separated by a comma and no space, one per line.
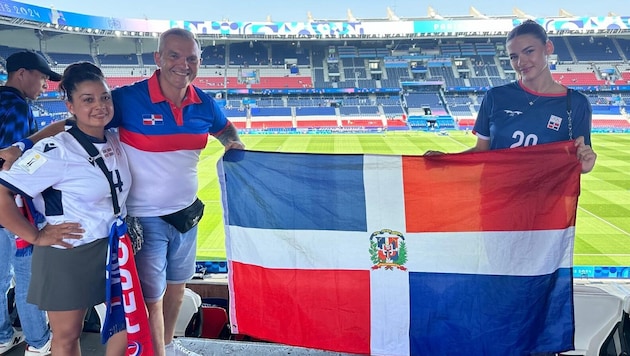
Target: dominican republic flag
(152,119)
(457,254)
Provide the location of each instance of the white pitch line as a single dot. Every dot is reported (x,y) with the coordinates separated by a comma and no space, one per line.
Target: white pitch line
(606,255)
(452,139)
(606,222)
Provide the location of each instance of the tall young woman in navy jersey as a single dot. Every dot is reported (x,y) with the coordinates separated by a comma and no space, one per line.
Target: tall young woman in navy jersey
(535,109)
(530,111)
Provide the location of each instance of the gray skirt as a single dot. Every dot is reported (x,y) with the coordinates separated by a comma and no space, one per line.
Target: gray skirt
(68,279)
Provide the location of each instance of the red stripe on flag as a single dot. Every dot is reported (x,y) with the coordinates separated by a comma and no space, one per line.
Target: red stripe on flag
(482,189)
(308,308)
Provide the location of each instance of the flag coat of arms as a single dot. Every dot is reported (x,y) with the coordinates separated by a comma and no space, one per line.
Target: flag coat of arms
(458,254)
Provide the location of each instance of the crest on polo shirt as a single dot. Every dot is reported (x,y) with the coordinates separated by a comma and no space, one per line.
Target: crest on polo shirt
(152,119)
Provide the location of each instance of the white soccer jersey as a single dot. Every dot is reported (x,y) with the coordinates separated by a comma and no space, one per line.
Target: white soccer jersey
(66,187)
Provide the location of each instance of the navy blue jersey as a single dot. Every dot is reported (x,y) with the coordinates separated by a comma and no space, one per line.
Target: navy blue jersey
(508,120)
(16,122)
(16,117)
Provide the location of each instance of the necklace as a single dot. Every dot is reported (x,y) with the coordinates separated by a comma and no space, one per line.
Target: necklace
(531,102)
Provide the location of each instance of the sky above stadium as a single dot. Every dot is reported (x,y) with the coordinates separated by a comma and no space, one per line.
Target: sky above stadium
(289,11)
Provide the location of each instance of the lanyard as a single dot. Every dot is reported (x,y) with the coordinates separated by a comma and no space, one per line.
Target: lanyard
(95,156)
(569,114)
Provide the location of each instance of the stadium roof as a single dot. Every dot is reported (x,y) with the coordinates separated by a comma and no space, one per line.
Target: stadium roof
(324,10)
(474,24)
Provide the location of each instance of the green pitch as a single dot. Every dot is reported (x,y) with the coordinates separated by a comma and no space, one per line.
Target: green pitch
(603,219)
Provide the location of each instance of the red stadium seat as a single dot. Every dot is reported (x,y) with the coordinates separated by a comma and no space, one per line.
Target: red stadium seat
(215,321)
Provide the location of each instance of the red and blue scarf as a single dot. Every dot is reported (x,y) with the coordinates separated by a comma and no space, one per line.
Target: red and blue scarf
(124,300)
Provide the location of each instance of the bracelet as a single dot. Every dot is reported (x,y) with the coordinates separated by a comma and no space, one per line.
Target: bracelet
(24,144)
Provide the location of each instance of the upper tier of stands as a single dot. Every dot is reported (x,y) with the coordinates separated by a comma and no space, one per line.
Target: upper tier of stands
(368,64)
(581,61)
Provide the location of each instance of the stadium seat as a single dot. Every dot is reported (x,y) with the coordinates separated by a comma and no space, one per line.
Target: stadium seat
(189,322)
(189,313)
(90,322)
(598,310)
(215,321)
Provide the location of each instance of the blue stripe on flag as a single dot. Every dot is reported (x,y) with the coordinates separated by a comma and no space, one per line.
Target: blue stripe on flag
(520,313)
(295,191)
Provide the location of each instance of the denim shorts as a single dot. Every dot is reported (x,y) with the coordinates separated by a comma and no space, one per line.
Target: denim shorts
(166,256)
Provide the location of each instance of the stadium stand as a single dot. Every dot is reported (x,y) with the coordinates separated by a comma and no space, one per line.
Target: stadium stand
(401,82)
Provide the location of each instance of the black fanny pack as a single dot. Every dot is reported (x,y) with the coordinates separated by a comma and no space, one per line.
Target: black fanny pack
(186,218)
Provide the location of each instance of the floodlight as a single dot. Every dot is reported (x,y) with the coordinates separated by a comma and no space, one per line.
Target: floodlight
(433,14)
(476,13)
(391,16)
(351,17)
(565,13)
